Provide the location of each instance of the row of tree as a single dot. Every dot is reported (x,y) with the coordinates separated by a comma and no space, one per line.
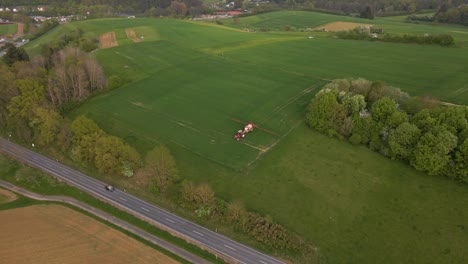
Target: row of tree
(202,200)
(444,40)
(455,15)
(100,8)
(431,137)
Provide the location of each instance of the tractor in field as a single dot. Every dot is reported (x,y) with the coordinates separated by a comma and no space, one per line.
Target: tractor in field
(242,132)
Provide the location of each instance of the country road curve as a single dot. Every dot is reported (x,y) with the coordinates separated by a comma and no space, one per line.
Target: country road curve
(109,218)
(214,242)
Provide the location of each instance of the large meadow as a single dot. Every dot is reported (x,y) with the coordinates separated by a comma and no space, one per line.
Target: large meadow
(193,84)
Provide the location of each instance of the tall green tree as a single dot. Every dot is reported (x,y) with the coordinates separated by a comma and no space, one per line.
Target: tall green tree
(461,162)
(325,113)
(49,125)
(424,120)
(382,109)
(85,133)
(114,156)
(8,90)
(403,140)
(14,54)
(31,95)
(432,151)
(161,165)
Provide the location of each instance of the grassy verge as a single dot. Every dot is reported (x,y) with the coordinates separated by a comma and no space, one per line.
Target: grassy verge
(41,183)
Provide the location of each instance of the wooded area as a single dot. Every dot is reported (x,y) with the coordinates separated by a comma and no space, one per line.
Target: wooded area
(428,135)
(196,7)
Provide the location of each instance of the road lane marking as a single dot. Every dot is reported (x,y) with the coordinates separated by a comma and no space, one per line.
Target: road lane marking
(231,248)
(145,209)
(263,262)
(198,233)
(170,220)
(123,199)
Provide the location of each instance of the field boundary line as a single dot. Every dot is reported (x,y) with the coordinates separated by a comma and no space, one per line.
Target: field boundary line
(108,218)
(293,99)
(276,142)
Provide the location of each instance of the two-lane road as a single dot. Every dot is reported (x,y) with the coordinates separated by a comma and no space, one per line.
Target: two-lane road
(218,244)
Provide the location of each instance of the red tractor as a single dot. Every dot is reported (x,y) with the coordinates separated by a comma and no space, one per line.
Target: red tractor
(241,133)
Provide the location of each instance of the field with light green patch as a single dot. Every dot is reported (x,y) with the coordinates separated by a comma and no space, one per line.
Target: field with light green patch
(191,82)
(8,29)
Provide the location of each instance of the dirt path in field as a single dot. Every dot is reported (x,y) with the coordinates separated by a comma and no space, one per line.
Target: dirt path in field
(340,26)
(57,234)
(9,196)
(108,40)
(132,35)
(20,30)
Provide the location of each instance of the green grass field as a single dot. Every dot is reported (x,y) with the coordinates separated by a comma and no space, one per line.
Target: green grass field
(8,29)
(277,21)
(191,81)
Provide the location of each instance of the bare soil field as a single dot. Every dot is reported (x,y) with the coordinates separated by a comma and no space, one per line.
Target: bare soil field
(108,40)
(340,26)
(132,35)
(7,196)
(57,234)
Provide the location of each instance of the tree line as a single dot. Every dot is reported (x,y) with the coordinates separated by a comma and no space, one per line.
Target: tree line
(454,15)
(431,137)
(360,33)
(100,8)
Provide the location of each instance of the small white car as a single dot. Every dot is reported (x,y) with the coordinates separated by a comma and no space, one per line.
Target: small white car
(110,188)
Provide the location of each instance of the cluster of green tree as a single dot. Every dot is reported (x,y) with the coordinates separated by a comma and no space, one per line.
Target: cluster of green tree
(32,92)
(13,54)
(109,154)
(100,8)
(105,8)
(72,38)
(455,15)
(431,137)
(360,33)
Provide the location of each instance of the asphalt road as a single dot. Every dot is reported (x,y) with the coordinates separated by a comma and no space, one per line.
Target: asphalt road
(216,242)
(120,223)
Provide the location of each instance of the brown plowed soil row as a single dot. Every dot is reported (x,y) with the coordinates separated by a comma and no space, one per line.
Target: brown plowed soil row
(132,35)
(340,26)
(49,234)
(108,40)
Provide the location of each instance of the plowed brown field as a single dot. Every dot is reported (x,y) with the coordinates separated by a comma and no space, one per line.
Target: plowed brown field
(108,40)
(132,35)
(56,234)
